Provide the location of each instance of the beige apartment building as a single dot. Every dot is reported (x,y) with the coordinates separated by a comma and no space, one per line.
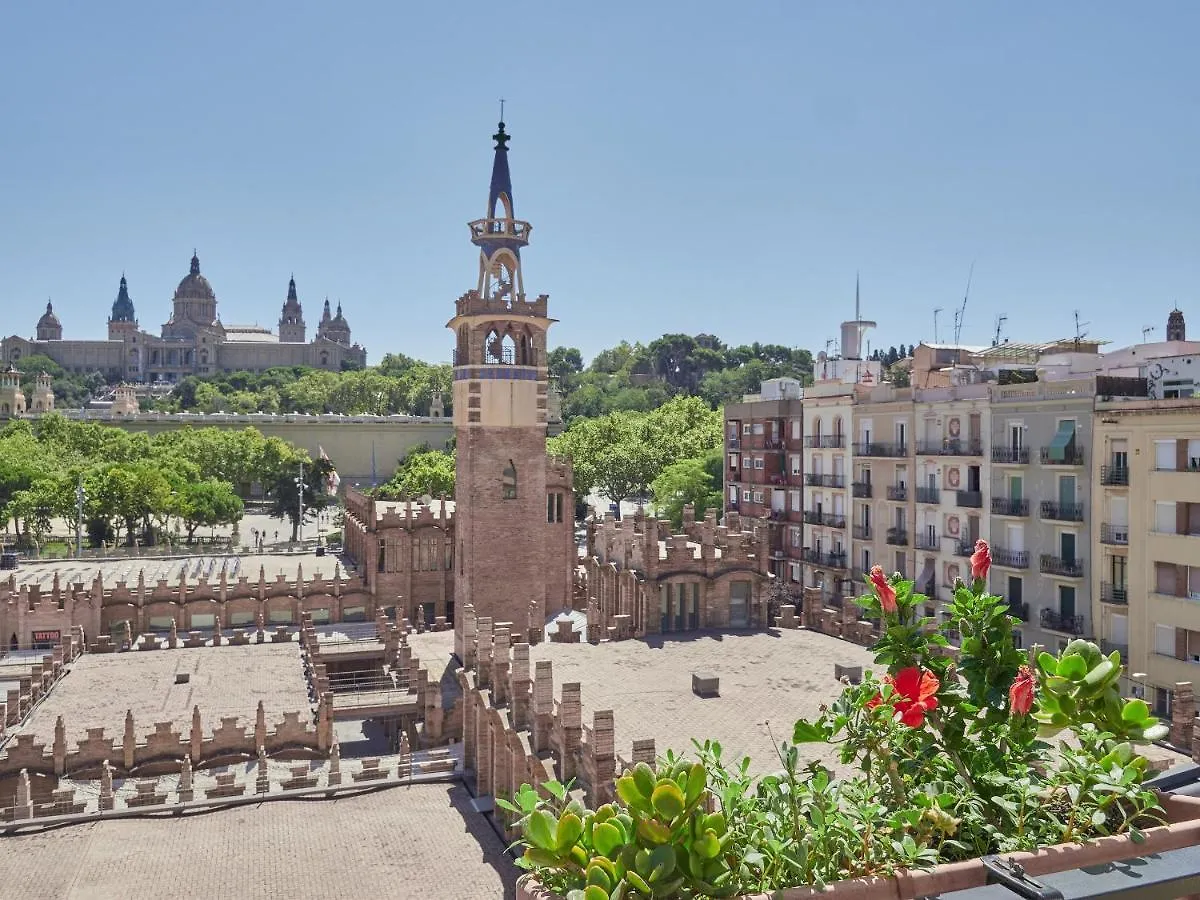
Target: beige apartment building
(1146,554)
(883,496)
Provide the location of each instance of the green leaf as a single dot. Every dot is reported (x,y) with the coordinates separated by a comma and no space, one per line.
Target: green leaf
(1072,668)
(628,791)
(643,777)
(806,732)
(1047,663)
(556,790)
(667,800)
(607,838)
(1135,711)
(595,892)
(569,830)
(1101,671)
(540,830)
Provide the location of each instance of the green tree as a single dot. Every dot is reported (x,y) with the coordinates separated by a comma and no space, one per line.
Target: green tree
(688,481)
(285,492)
(207,503)
(422,472)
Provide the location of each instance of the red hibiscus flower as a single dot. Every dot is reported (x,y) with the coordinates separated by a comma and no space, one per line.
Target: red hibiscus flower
(1020,695)
(981,560)
(884,591)
(912,695)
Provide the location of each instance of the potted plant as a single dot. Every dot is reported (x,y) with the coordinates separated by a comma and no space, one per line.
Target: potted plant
(955,759)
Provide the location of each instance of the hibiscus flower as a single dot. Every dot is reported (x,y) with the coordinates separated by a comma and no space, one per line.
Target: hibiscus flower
(913,695)
(1020,694)
(884,591)
(981,560)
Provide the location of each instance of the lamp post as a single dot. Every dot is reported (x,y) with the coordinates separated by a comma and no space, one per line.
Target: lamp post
(80,496)
(300,497)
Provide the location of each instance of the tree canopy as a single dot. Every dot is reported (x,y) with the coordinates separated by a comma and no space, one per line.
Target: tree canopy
(423,471)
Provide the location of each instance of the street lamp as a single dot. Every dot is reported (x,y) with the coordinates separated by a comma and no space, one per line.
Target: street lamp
(300,495)
(80,496)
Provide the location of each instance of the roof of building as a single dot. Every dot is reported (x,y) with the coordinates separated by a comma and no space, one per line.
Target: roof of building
(49,319)
(303,850)
(249,334)
(194,286)
(122,308)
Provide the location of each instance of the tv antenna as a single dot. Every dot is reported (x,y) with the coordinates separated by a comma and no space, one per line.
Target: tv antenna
(1080,334)
(1146,332)
(1000,320)
(936,310)
(962,313)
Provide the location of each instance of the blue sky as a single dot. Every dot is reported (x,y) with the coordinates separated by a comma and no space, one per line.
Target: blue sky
(693,167)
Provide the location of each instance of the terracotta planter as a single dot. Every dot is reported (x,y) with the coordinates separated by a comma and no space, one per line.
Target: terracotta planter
(1183,830)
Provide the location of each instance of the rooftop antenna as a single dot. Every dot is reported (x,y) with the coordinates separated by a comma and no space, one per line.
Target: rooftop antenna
(1079,333)
(501,109)
(857,306)
(1000,320)
(936,310)
(1146,332)
(962,313)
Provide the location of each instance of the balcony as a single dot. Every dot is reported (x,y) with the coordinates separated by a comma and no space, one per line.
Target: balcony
(1005,506)
(1114,476)
(970,499)
(772,443)
(897,492)
(1114,593)
(964,548)
(826,560)
(1062,512)
(1057,565)
(1054,456)
(830,481)
(898,451)
(927,541)
(929,495)
(897,537)
(862,532)
(825,442)
(1010,456)
(861,489)
(1010,559)
(1114,534)
(733,442)
(950,447)
(829,520)
(1054,620)
(1019,611)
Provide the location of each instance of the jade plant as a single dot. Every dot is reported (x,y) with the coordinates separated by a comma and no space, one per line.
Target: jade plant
(953,755)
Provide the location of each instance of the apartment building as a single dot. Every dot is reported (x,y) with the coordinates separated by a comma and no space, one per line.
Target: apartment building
(1146,554)
(1041,509)
(764,450)
(882,491)
(828,483)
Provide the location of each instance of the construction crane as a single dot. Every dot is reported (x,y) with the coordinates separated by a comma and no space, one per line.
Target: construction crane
(1080,334)
(1000,320)
(961,314)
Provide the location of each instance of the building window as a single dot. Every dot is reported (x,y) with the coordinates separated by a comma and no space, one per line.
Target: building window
(733,460)
(508,482)
(796,426)
(794,573)
(382,556)
(758,463)
(747,496)
(554,508)
(758,497)
(746,428)
(758,427)
(1164,456)
(795,463)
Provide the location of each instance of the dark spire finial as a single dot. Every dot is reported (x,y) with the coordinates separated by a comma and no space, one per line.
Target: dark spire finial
(500,137)
(195,262)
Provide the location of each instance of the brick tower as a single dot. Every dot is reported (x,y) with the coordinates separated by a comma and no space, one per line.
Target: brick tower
(514,509)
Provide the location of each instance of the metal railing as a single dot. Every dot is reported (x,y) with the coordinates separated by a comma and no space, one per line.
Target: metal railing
(1070,457)
(1114,475)
(929,495)
(950,447)
(828,560)
(897,492)
(1011,559)
(1017,456)
(830,520)
(1006,506)
(897,537)
(927,541)
(970,499)
(874,448)
(1114,534)
(861,489)
(1056,621)
(1019,611)
(964,547)
(825,441)
(830,481)
(1049,564)
(862,532)
(1062,512)
(1114,593)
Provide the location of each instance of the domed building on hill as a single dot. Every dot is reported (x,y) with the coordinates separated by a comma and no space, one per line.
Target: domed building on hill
(193,341)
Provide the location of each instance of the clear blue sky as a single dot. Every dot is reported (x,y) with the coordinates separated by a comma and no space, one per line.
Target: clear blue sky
(693,167)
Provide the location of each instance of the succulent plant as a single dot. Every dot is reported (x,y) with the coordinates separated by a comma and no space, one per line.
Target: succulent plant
(663,843)
(1081,686)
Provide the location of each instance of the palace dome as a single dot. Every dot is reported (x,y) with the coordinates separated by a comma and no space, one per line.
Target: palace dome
(194,285)
(49,319)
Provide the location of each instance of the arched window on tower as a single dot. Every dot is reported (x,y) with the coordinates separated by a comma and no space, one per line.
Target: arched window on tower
(508,482)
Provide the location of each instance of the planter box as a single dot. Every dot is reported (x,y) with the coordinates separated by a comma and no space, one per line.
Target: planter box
(1183,814)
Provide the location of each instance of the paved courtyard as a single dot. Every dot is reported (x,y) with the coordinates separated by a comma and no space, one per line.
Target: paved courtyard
(224,681)
(408,842)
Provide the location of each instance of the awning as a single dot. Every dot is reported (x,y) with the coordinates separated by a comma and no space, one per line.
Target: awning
(1064,441)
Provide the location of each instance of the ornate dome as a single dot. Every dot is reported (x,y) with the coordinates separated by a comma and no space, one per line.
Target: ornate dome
(194,285)
(49,319)
(122,308)
(340,320)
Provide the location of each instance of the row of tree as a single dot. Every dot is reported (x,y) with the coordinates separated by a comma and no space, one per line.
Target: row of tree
(640,377)
(137,487)
(398,385)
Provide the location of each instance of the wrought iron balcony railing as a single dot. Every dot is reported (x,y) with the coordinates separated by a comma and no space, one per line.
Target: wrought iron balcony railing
(1016,456)
(929,495)
(1050,564)
(1056,621)
(1006,506)
(1010,559)
(1114,475)
(1062,512)
(861,489)
(1114,593)
(1114,534)
(897,492)
(970,499)
(1067,457)
(897,537)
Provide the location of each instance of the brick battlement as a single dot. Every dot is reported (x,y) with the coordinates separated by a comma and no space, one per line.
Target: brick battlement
(471,304)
